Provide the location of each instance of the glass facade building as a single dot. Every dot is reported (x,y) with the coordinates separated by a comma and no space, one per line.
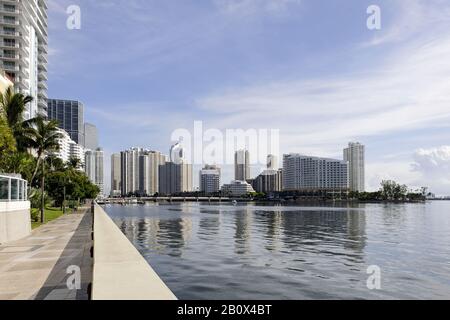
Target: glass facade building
(70,116)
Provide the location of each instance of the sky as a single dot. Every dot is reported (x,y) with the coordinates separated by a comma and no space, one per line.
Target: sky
(310,68)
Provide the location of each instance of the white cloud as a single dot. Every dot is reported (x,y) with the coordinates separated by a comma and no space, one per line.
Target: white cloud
(246,7)
(434,167)
(391,170)
(409,92)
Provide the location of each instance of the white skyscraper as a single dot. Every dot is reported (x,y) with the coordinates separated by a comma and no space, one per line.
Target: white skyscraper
(129,163)
(139,170)
(69,148)
(94,168)
(99,173)
(23,35)
(149,162)
(355,155)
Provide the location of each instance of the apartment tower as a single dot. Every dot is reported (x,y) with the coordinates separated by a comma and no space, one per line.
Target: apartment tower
(115,175)
(23,39)
(355,156)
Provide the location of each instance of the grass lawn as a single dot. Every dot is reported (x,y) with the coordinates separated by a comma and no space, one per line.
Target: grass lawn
(49,215)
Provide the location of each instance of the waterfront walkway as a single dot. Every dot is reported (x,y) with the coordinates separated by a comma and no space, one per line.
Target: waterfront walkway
(35,268)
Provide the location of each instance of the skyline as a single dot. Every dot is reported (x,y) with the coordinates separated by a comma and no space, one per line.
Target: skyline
(314,71)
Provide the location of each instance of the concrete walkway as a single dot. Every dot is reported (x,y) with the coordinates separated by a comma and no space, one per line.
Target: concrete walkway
(35,268)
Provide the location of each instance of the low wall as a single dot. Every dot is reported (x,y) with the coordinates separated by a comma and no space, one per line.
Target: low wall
(15,221)
(120,271)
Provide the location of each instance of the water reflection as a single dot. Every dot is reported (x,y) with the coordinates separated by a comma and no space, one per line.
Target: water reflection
(261,252)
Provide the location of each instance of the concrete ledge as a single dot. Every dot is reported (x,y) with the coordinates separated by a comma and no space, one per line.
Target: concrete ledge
(15,221)
(120,271)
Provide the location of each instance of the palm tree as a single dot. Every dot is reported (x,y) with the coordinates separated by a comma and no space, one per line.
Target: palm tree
(13,106)
(43,136)
(74,163)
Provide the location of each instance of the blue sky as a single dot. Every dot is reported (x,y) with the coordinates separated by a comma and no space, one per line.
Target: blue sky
(310,68)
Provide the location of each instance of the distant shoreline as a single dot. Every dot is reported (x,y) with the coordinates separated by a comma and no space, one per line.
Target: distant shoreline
(241,200)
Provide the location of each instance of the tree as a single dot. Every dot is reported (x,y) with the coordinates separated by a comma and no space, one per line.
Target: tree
(43,137)
(13,107)
(7,142)
(391,190)
(74,163)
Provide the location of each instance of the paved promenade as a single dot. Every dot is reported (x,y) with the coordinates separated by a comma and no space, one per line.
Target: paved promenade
(35,268)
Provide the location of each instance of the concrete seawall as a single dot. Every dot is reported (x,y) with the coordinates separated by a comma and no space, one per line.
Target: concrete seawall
(120,271)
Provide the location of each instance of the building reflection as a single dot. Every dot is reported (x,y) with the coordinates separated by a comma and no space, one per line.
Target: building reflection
(274,226)
(173,234)
(209,225)
(243,222)
(306,230)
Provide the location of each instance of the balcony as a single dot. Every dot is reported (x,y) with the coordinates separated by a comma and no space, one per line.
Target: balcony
(9,45)
(9,23)
(42,94)
(10,68)
(42,76)
(9,57)
(42,85)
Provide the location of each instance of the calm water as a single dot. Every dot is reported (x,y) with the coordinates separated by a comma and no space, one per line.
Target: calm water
(254,251)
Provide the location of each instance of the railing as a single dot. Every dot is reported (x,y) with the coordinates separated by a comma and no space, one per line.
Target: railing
(13,189)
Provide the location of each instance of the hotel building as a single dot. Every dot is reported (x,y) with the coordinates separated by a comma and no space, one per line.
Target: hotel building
(305,173)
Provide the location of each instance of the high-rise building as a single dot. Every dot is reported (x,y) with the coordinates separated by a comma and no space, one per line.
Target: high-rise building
(94,168)
(116,184)
(64,142)
(242,165)
(23,35)
(305,173)
(175,178)
(272,162)
(89,165)
(99,173)
(129,168)
(68,148)
(209,179)
(268,181)
(70,116)
(140,171)
(355,155)
(149,162)
(90,136)
(77,151)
